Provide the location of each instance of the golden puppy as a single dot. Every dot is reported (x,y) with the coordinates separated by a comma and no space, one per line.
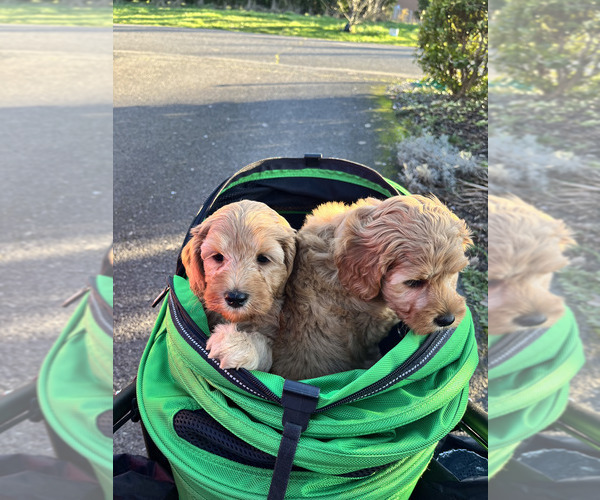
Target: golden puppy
(358,269)
(237,263)
(525,249)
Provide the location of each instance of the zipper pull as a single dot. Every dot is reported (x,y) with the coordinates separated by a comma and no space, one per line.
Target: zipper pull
(75,296)
(160,296)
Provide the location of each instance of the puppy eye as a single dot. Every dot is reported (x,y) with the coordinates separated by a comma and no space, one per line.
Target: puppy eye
(494,283)
(218,257)
(262,259)
(414,283)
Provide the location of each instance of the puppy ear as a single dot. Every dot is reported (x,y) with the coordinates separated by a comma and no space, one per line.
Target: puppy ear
(192,260)
(289,251)
(356,255)
(286,237)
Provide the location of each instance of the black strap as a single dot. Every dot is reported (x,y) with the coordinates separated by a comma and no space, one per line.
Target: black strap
(299,402)
(285,461)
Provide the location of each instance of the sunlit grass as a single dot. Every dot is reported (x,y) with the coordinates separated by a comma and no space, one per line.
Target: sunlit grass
(54,14)
(287,24)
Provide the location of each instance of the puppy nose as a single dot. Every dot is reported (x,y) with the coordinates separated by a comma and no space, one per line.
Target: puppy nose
(444,320)
(532,319)
(236,298)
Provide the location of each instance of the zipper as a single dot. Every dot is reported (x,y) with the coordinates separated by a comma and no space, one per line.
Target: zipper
(196,339)
(430,347)
(510,345)
(245,380)
(564,366)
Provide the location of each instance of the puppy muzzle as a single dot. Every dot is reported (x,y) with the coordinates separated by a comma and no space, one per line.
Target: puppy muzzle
(444,320)
(236,299)
(530,320)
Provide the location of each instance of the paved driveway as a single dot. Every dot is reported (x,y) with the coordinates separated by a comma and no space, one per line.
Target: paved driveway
(56,198)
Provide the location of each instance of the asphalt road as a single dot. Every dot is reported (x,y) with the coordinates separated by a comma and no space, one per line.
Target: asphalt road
(191,107)
(56,198)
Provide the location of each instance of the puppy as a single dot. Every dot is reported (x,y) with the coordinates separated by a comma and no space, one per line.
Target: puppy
(237,263)
(525,249)
(358,270)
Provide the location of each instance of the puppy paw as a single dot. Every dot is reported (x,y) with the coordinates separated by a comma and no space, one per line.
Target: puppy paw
(239,349)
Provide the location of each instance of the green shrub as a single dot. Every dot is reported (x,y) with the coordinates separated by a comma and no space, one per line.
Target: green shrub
(552,46)
(453,44)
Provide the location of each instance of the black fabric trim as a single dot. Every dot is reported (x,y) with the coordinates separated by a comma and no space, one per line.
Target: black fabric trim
(339,164)
(302,194)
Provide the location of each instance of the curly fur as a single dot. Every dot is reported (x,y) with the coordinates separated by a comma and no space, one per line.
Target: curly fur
(243,248)
(525,249)
(358,270)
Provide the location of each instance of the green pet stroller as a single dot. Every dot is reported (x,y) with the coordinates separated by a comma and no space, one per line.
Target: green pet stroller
(72,396)
(542,444)
(239,434)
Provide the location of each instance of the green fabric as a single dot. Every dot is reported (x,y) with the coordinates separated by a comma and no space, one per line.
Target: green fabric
(75,386)
(318,173)
(530,390)
(400,188)
(400,425)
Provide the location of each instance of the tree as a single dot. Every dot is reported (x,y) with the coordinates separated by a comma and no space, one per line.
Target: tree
(550,45)
(453,44)
(357,11)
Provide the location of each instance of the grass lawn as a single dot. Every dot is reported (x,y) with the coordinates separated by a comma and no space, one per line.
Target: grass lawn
(54,14)
(287,24)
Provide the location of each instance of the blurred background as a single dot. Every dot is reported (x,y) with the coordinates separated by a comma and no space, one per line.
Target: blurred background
(543,112)
(56,204)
